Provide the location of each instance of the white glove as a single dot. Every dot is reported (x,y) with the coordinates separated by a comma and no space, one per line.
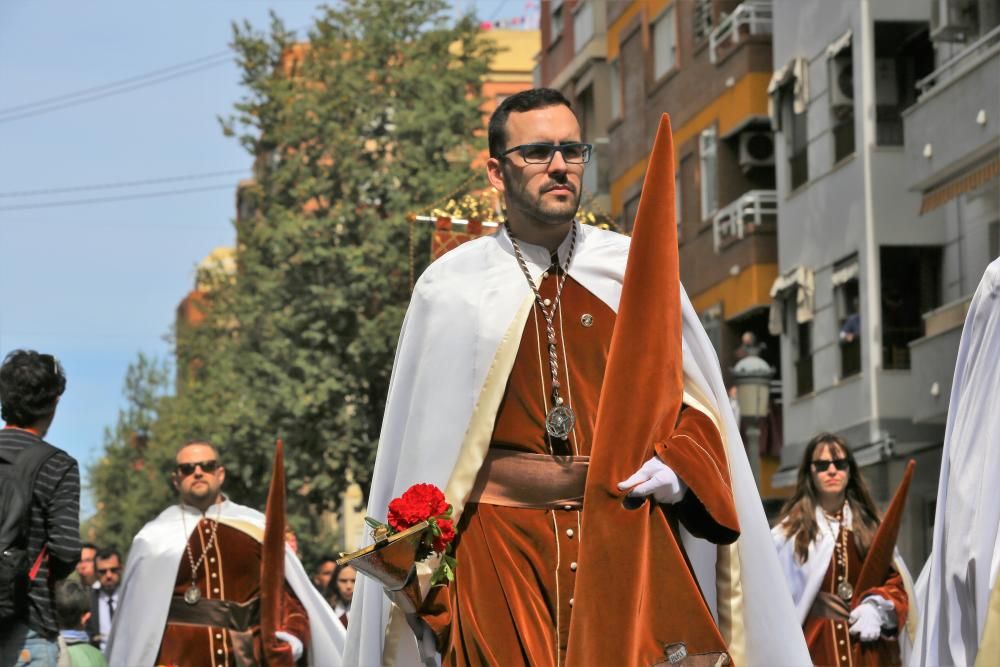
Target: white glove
(655,478)
(866,622)
(295,642)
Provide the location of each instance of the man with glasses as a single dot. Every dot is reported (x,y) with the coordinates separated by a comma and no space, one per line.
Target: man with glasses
(104,597)
(191,591)
(494,398)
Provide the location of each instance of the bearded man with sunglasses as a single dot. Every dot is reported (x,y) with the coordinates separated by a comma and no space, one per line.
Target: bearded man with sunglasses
(494,398)
(191,591)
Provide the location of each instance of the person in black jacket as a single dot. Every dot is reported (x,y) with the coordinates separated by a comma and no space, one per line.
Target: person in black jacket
(104,596)
(30,387)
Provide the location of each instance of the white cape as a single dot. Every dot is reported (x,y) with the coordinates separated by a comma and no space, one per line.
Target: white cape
(805,579)
(455,353)
(151,572)
(956,583)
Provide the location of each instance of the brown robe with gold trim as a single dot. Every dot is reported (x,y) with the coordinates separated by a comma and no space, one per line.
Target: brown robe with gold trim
(512,599)
(230,571)
(830,642)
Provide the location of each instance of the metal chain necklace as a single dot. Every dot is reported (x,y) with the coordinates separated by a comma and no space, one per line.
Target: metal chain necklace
(560,419)
(193,593)
(844,589)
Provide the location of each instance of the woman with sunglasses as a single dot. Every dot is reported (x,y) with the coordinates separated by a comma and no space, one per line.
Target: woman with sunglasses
(822,535)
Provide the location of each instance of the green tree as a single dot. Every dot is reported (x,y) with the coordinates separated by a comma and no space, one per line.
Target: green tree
(375,116)
(128,482)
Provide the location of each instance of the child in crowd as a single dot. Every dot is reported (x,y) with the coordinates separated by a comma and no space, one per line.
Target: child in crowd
(72,605)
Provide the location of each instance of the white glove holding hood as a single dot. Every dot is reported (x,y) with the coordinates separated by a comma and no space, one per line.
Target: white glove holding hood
(655,478)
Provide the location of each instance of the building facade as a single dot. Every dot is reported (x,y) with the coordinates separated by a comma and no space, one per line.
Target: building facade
(707,63)
(573,59)
(881,241)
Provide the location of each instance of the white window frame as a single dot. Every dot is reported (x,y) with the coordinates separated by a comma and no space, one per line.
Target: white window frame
(708,170)
(665,42)
(583,24)
(556,21)
(615,85)
(677,198)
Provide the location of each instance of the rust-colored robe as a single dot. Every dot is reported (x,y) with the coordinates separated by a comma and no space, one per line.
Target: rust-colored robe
(830,642)
(230,571)
(512,598)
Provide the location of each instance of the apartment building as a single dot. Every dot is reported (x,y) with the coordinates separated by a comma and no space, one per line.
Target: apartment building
(573,59)
(880,238)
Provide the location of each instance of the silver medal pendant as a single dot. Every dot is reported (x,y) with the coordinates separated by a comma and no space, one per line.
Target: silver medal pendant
(559,422)
(192,594)
(845,591)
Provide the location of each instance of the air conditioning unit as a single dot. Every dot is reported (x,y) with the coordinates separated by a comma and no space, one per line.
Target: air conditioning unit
(756,149)
(841,82)
(953,20)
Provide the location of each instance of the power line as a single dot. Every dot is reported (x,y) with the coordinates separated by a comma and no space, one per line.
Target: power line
(121,184)
(94,93)
(117,91)
(496,12)
(114,84)
(102,200)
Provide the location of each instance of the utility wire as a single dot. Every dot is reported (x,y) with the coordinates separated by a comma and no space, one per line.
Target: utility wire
(95,93)
(122,184)
(101,200)
(117,91)
(496,12)
(114,84)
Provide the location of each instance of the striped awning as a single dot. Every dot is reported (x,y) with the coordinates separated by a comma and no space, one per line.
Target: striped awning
(960,185)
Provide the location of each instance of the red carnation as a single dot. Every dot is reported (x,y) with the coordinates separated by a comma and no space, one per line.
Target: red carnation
(419,503)
(447,529)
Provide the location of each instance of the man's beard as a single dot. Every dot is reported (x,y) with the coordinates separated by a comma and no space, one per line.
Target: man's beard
(553,214)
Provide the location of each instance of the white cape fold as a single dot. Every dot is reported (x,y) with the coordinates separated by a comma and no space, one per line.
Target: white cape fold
(960,576)
(151,571)
(805,579)
(455,353)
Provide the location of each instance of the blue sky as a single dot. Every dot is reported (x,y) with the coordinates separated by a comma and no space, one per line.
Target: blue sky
(96,284)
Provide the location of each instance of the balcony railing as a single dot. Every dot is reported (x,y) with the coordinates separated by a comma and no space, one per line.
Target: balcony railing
(964,60)
(752,17)
(752,211)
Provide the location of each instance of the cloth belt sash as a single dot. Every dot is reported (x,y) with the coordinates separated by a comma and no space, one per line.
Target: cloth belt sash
(215,613)
(510,478)
(828,605)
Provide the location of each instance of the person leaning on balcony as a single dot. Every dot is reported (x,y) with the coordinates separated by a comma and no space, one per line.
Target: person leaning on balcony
(822,536)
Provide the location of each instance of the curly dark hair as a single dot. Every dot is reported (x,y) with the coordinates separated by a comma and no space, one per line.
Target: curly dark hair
(526,100)
(30,386)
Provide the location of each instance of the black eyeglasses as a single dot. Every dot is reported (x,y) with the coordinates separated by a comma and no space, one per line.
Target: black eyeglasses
(189,468)
(543,153)
(105,570)
(822,465)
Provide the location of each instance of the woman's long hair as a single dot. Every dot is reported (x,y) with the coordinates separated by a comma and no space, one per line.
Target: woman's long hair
(798,516)
(332,593)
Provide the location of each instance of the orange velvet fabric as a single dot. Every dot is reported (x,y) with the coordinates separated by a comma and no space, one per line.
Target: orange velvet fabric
(515,589)
(830,642)
(230,571)
(637,553)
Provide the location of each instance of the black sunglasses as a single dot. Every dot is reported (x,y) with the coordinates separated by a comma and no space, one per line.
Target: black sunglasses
(575,153)
(821,465)
(188,468)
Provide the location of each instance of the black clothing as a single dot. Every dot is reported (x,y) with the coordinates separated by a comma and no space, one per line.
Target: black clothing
(54,521)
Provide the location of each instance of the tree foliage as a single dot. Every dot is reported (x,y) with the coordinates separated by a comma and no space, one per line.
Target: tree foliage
(375,116)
